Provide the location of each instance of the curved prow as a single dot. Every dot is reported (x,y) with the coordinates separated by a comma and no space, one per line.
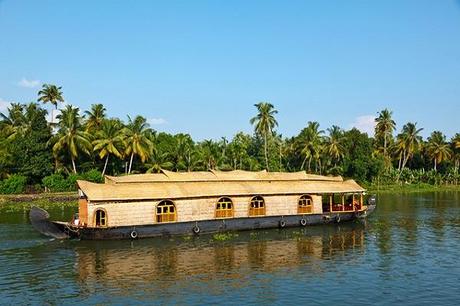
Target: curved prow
(39,218)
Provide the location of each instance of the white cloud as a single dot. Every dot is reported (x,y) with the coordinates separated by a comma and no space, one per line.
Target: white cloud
(4,105)
(157,121)
(28,83)
(365,124)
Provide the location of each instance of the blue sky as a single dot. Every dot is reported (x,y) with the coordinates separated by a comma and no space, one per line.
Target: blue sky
(200,66)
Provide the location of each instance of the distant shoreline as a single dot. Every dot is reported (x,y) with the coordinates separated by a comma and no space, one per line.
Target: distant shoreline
(72,196)
(411,188)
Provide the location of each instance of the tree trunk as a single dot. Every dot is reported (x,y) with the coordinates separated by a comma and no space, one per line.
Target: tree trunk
(435,165)
(266,154)
(105,165)
(303,163)
(130,163)
(385,145)
(281,162)
(74,167)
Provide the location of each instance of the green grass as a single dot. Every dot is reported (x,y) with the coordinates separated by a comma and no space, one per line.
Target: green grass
(8,205)
(48,196)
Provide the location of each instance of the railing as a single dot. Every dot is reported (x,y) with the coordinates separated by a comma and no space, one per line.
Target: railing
(259,211)
(304,209)
(224,213)
(166,217)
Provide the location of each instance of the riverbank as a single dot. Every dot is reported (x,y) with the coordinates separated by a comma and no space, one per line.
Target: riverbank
(33,197)
(410,188)
(23,202)
(70,198)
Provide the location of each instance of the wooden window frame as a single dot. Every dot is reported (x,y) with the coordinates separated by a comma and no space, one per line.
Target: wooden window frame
(257,211)
(106,219)
(166,216)
(221,209)
(308,207)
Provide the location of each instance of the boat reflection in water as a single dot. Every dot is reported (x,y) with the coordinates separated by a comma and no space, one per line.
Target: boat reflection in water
(162,263)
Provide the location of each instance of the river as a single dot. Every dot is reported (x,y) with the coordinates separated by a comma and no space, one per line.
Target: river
(407,253)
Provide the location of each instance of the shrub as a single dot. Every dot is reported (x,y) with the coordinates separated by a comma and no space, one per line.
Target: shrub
(72,181)
(93,176)
(13,184)
(55,183)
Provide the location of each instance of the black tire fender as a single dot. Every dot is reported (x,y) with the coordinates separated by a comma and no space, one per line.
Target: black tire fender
(282,223)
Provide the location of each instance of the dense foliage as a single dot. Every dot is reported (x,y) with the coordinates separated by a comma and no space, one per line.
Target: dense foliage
(50,155)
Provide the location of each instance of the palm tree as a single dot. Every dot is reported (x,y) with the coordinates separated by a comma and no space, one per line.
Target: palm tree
(137,140)
(456,150)
(95,118)
(311,144)
(333,145)
(239,146)
(384,128)
(456,141)
(50,94)
(71,137)
(209,151)
(14,123)
(437,148)
(412,141)
(109,140)
(264,123)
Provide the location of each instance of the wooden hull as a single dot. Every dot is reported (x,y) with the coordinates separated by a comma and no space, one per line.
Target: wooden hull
(209,226)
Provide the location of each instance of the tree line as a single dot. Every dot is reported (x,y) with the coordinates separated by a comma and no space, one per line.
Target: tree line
(74,142)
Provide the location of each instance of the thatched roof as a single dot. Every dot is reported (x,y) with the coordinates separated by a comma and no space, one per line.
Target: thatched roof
(215,176)
(173,185)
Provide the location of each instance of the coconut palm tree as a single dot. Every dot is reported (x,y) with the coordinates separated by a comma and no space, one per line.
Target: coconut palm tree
(437,148)
(158,161)
(456,150)
(136,134)
(412,141)
(238,148)
(333,144)
(70,136)
(311,142)
(95,117)
(264,123)
(456,141)
(209,152)
(13,123)
(109,141)
(50,94)
(384,128)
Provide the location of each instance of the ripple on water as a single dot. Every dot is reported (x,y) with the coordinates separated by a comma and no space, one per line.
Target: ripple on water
(407,253)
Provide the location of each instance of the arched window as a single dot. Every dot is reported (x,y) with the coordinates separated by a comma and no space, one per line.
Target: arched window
(166,212)
(257,206)
(305,205)
(224,208)
(100,218)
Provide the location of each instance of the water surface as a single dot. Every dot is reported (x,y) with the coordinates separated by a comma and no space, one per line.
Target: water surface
(406,253)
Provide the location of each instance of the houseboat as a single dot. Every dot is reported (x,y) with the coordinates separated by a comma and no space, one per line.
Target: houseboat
(175,203)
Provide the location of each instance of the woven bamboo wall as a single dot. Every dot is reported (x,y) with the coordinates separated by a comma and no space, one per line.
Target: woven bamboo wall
(141,213)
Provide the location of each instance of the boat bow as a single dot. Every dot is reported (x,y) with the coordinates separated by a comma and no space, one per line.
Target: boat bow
(39,218)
